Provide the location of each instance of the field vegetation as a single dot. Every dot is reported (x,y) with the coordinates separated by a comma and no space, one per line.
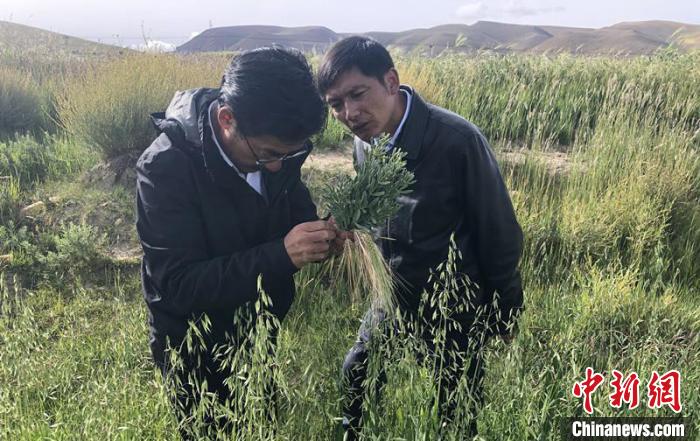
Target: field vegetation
(610,267)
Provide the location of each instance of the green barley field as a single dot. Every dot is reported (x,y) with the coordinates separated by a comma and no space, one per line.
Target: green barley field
(602,159)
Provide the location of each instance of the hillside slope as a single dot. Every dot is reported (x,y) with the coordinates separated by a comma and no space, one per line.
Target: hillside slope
(634,38)
(26,39)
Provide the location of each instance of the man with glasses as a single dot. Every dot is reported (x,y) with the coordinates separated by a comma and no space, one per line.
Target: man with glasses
(220,202)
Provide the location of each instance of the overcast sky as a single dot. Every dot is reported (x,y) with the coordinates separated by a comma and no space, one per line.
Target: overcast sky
(127,21)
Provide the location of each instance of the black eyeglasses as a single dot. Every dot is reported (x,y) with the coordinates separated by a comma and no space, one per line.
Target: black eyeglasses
(262,162)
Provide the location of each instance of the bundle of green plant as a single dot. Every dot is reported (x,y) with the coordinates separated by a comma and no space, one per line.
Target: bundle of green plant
(360,204)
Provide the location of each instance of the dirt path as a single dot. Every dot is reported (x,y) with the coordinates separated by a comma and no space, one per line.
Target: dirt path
(336,160)
(555,161)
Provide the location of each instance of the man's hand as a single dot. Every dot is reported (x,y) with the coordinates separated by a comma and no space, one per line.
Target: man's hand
(309,242)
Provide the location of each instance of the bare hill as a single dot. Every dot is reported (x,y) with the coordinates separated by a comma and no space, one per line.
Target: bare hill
(236,38)
(634,38)
(660,30)
(26,39)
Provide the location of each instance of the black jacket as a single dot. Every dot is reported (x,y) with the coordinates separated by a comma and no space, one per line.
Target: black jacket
(206,234)
(458,188)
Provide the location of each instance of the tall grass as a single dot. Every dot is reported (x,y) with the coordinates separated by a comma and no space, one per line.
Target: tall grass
(9,199)
(24,106)
(108,108)
(530,100)
(602,320)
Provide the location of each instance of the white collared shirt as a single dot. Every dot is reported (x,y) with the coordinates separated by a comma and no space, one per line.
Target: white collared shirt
(253,179)
(396,134)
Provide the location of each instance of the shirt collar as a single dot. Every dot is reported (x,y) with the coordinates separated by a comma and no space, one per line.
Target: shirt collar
(414,131)
(396,134)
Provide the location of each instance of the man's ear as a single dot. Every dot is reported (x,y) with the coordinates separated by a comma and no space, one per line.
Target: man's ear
(226,119)
(391,81)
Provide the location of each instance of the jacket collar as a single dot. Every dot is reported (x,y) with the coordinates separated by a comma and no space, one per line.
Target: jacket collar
(411,137)
(186,122)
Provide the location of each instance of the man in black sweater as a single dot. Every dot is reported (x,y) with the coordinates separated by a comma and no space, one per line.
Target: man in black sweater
(220,202)
(458,192)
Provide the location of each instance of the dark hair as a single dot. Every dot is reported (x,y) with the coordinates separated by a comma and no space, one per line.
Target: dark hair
(364,53)
(271,91)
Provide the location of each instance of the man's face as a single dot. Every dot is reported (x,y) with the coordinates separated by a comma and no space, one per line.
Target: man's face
(269,151)
(247,151)
(363,103)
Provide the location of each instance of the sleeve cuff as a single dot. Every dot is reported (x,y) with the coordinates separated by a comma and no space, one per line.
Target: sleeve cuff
(281,263)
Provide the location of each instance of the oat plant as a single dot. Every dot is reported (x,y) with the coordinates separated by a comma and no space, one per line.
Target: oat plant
(363,204)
